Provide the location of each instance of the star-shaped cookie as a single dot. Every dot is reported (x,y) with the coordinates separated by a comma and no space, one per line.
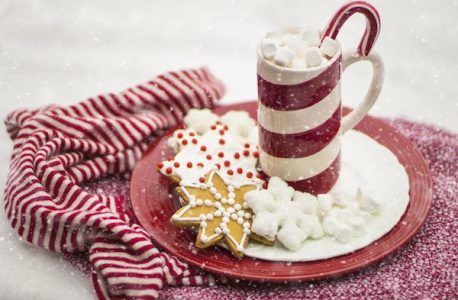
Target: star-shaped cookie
(218,210)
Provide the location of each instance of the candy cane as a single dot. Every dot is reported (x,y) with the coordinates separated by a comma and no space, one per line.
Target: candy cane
(372,24)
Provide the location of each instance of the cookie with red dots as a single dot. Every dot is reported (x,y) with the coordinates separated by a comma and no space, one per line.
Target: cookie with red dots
(217,149)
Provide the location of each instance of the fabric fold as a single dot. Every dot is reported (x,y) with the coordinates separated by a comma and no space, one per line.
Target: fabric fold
(56,149)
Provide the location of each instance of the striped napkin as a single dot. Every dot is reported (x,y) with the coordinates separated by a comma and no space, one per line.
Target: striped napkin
(56,149)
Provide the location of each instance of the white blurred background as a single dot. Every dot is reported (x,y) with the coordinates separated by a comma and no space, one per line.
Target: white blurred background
(58,51)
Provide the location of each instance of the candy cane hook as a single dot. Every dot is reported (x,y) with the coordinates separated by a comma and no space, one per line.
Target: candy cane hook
(372,24)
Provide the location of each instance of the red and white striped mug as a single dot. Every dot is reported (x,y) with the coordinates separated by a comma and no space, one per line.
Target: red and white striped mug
(300,118)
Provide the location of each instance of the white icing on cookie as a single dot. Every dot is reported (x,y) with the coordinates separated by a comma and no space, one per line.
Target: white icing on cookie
(218,149)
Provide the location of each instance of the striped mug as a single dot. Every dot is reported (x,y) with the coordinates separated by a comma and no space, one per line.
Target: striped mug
(300,119)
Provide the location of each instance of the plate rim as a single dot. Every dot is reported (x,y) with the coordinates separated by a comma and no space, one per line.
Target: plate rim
(416,188)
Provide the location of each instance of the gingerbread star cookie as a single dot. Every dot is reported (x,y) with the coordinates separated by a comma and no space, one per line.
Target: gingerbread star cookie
(216,207)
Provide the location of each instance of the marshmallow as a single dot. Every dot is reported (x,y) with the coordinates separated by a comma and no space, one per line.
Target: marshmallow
(345,215)
(288,39)
(329,47)
(313,224)
(284,57)
(343,233)
(200,120)
(299,63)
(312,37)
(330,225)
(298,47)
(292,236)
(279,189)
(265,224)
(269,48)
(259,201)
(325,202)
(342,200)
(367,203)
(313,57)
(307,202)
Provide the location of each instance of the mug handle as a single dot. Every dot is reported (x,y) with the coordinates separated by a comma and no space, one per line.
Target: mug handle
(354,117)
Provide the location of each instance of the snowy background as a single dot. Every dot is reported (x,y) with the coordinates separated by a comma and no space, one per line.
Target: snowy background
(63,51)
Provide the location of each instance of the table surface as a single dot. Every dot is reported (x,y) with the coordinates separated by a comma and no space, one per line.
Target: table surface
(61,52)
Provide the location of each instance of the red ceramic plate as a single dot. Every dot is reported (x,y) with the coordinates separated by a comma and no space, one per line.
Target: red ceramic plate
(153,207)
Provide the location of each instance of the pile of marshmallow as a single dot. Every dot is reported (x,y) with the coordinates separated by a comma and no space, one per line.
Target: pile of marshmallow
(298,50)
(291,217)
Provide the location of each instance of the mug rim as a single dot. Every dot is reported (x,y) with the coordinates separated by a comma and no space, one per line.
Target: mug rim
(293,70)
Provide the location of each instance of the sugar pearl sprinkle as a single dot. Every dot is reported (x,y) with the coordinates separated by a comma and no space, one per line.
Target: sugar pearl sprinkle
(298,48)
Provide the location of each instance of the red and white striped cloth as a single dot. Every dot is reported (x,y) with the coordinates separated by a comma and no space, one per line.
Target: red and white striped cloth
(58,148)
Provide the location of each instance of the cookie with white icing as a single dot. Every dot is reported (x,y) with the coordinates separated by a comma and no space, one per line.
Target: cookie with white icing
(218,149)
(216,207)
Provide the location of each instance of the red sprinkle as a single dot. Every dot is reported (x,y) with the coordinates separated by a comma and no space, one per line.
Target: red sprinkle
(194,141)
(237,155)
(213,127)
(226,128)
(249,174)
(184,141)
(256,154)
(230,172)
(192,134)
(264,185)
(201,179)
(218,123)
(168,170)
(203,148)
(221,132)
(176,164)
(209,156)
(201,165)
(189,164)
(247,145)
(246,153)
(239,170)
(218,166)
(160,165)
(222,142)
(221,154)
(180,135)
(227,163)
(170,158)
